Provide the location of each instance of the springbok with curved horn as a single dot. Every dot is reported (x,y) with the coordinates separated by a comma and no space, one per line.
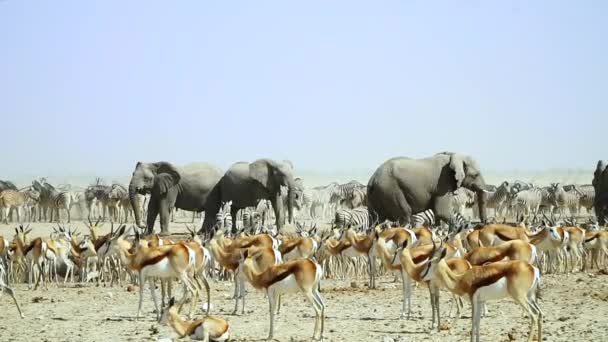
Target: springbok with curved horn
(516,279)
(301,275)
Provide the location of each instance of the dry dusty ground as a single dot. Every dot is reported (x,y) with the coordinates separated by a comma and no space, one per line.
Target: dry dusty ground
(575,307)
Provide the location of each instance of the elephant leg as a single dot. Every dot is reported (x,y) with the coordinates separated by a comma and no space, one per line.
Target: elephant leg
(233,213)
(277,206)
(404,209)
(165,216)
(599,211)
(153,208)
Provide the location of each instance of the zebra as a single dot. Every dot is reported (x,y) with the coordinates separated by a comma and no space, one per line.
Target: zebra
(264,210)
(586,196)
(97,196)
(319,197)
(355,197)
(425,218)
(14,199)
(61,201)
(358,217)
(114,200)
(223,219)
(563,199)
(51,199)
(340,192)
(30,205)
(498,200)
(547,203)
(461,199)
(247,218)
(527,202)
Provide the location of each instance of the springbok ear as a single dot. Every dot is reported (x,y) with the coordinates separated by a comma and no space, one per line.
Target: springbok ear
(457,164)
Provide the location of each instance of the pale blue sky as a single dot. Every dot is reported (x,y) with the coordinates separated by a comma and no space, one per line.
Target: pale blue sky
(90,87)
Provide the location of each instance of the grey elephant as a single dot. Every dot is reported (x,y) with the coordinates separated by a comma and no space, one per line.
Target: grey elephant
(169,187)
(600,184)
(402,186)
(246,183)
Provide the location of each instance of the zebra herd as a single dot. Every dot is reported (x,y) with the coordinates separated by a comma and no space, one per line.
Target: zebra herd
(41,201)
(341,204)
(517,199)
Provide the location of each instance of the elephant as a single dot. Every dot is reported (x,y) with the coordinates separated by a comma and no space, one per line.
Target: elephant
(246,183)
(600,184)
(403,186)
(170,187)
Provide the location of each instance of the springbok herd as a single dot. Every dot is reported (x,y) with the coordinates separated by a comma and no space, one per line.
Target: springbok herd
(478,263)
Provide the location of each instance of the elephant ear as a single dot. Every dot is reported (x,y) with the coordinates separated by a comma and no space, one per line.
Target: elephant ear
(261,171)
(167,176)
(457,164)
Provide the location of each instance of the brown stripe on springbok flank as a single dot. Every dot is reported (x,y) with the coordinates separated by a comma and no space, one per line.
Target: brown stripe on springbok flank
(36,242)
(343,245)
(277,273)
(495,258)
(157,257)
(288,246)
(592,238)
(421,257)
(502,236)
(487,277)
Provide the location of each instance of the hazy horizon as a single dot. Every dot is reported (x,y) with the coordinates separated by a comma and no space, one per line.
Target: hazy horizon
(90,88)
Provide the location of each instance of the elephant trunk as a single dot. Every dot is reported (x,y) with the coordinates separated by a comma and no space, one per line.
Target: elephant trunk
(481,204)
(135,204)
(290,200)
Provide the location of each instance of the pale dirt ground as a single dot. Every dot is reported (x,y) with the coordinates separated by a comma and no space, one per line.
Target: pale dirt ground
(575,307)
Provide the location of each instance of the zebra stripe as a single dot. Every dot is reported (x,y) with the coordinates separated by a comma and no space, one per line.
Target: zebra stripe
(565,199)
(223,218)
(458,220)
(462,198)
(340,192)
(357,197)
(318,197)
(498,200)
(528,201)
(427,218)
(358,217)
(424,218)
(586,195)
